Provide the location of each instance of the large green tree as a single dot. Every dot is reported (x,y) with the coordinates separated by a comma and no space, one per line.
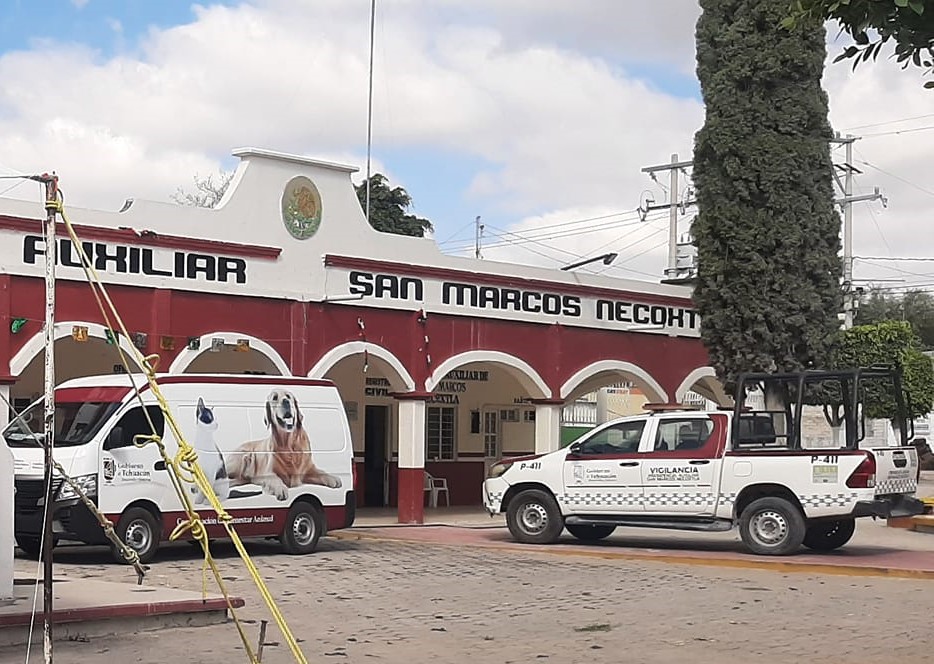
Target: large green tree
(389,208)
(768,288)
(909,24)
(891,343)
(914,306)
(388,205)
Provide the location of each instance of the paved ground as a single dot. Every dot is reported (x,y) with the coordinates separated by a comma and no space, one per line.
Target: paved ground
(373,601)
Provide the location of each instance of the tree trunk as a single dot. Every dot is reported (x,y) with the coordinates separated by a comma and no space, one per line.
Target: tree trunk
(776,404)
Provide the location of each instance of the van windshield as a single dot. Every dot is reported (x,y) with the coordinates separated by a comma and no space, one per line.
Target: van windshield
(75,423)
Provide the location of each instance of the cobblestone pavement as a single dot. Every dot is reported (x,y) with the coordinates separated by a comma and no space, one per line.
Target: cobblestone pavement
(371,601)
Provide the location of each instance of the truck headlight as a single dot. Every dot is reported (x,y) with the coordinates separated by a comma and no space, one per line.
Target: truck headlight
(498,469)
(87,484)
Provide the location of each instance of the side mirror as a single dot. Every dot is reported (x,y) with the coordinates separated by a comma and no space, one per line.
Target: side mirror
(114,438)
(575,448)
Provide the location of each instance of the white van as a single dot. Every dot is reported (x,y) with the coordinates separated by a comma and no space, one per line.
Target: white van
(277,451)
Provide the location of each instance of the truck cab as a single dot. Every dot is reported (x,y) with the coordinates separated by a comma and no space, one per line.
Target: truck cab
(679,468)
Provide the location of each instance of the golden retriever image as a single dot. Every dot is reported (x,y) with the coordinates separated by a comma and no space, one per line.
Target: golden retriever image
(282,459)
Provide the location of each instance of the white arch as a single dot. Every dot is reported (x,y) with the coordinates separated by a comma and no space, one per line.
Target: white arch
(338,353)
(36,343)
(615,366)
(700,374)
(521,370)
(184,359)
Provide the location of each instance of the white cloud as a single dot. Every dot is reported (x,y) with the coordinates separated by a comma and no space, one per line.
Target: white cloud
(80,4)
(541,91)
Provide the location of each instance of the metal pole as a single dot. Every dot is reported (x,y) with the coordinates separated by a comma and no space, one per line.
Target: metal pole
(476,243)
(848,235)
(51,201)
(369,111)
(672,270)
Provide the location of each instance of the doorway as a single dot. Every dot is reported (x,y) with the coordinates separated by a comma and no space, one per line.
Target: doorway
(375,444)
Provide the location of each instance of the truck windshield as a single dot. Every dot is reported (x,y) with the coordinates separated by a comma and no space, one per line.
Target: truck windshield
(75,423)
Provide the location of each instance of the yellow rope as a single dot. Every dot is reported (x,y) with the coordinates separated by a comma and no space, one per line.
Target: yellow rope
(184,467)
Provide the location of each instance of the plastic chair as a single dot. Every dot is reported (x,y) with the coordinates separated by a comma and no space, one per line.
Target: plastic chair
(436,486)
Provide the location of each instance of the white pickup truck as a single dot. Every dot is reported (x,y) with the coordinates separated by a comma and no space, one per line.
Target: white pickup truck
(707,471)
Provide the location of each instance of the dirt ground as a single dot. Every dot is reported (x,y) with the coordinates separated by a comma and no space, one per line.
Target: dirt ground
(373,601)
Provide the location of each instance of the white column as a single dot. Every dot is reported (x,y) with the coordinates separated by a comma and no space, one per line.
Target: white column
(412,434)
(602,406)
(547,427)
(6,514)
(411,475)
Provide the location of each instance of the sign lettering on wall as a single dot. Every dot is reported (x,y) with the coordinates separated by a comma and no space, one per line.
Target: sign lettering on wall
(146,261)
(525,304)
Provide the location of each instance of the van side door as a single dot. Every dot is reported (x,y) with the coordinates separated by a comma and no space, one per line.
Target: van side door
(129,472)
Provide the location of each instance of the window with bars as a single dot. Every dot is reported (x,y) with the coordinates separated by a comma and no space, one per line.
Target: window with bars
(490,435)
(439,434)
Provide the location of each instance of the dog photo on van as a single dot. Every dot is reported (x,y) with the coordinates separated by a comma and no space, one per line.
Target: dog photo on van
(209,455)
(282,459)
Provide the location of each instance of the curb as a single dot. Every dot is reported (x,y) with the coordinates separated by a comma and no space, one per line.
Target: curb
(766,564)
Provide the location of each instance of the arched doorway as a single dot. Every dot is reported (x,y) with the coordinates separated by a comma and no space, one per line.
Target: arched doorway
(367,375)
(701,387)
(81,349)
(603,391)
(484,405)
(230,353)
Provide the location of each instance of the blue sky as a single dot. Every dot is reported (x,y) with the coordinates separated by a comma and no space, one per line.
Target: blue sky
(529,113)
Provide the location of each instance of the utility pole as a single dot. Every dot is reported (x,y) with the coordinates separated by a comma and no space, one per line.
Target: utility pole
(51,208)
(847,204)
(478,234)
(671,272)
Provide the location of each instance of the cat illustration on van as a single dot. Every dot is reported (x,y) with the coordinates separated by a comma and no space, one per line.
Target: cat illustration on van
(209,455)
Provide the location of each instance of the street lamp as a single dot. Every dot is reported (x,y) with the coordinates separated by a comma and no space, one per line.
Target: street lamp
(606,258)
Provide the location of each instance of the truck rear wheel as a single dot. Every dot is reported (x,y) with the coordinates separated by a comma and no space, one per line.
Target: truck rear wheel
(829,535)
(533,517)
(590,533)
(772,526)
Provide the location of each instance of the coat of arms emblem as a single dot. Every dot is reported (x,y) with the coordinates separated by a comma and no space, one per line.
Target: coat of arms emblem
(301,208)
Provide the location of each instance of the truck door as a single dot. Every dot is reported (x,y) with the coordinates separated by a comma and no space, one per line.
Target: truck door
(602,472)
(681,466)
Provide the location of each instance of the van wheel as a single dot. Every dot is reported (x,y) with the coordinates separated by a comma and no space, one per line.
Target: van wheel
(533,517)
(32,546)
(302,529)
(829,535)
(591,533)
(772,526)
(140,531)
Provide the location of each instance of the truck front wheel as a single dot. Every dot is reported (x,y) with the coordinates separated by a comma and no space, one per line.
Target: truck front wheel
(772,526)
(533,517)
(829,535)
(591,533)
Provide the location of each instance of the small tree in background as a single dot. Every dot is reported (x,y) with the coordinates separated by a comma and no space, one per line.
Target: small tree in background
(892,343)
(208,191)
(769,280)
(389,208)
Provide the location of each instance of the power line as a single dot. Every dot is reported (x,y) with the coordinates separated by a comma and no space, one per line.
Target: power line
(896,258)
(898,177)
(899,131)
(555,235)
(889,122)
(550,227)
